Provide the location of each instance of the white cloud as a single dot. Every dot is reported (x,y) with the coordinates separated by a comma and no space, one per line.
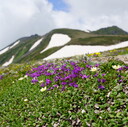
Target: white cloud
(93,14)
(20,18)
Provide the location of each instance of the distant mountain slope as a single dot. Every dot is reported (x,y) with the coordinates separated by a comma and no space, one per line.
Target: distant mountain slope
(35,47)
(113,30)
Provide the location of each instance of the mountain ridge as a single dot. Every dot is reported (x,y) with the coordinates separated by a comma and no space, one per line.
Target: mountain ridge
(22,51)
(112,30)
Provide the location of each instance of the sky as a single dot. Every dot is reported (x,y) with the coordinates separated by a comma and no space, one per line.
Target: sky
(19,18)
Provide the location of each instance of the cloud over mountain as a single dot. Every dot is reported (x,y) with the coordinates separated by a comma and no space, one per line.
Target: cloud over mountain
(27,17)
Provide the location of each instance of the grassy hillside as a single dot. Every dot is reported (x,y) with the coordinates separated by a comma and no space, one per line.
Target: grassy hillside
(78,37)
(114,30)
(19,50)
(64,93)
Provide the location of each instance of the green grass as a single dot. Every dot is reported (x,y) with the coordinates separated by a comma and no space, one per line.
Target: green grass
(82,106)
(99,40)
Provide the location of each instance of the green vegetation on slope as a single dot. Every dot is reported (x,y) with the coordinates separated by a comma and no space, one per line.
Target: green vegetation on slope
(78,37)
(64,93)
(114,30)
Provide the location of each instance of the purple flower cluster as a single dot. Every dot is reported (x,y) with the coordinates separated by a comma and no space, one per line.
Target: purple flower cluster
(62,76)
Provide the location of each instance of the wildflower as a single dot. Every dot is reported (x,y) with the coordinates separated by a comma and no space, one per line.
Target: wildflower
(101,87)
(85,76)
(97,65)
(97,53)
(23,77)
(55,85)
(96,106)
(108,95)
(103,74)
(83,111)
(1,76)
(34,80)
(120,80)
(88,66)
(42,85)
(120,69)
(43,89)
(116,66)
(94,69)
(48,81)
(95,75)
(41,81)
(101,80)
(26,100)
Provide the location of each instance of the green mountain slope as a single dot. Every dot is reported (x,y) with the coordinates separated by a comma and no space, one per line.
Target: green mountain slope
(78,37)
(114,30)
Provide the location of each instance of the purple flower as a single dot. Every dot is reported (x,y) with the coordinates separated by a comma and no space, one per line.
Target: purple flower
(85,76)
(101,80)
(88,66)
(42,85)
(120,69)
(97,65)
(126,67)
(63,88)
(101,87)
(103,74)
(48,81)
(64,83)
(75,85)
(1,76)
(34,80)
(120,80)
(95,75)
(55,85)
(119,75)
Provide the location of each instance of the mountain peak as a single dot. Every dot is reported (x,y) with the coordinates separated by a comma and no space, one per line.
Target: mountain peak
(112,30)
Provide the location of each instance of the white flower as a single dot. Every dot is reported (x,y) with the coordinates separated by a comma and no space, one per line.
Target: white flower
(108,95)
(116,66)
(21,78)
(25,76)
(26,100)
(83,111)
(94,69)
(41,81)
(43,89)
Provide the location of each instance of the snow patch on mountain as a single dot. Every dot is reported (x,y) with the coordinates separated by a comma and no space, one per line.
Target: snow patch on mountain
(73,50)
(4,50)
(36,44)
(57,40)
(17,42)
(7,48)
(9,62)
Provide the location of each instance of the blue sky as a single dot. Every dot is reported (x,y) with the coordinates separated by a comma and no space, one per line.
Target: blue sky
(59,5)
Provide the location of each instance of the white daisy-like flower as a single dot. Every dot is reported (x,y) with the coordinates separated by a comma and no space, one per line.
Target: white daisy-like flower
(43,89)
(116,67)
(94,69)
(26,100)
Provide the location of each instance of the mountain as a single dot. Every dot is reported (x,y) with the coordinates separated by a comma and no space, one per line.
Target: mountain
(113,30)
(59,43)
